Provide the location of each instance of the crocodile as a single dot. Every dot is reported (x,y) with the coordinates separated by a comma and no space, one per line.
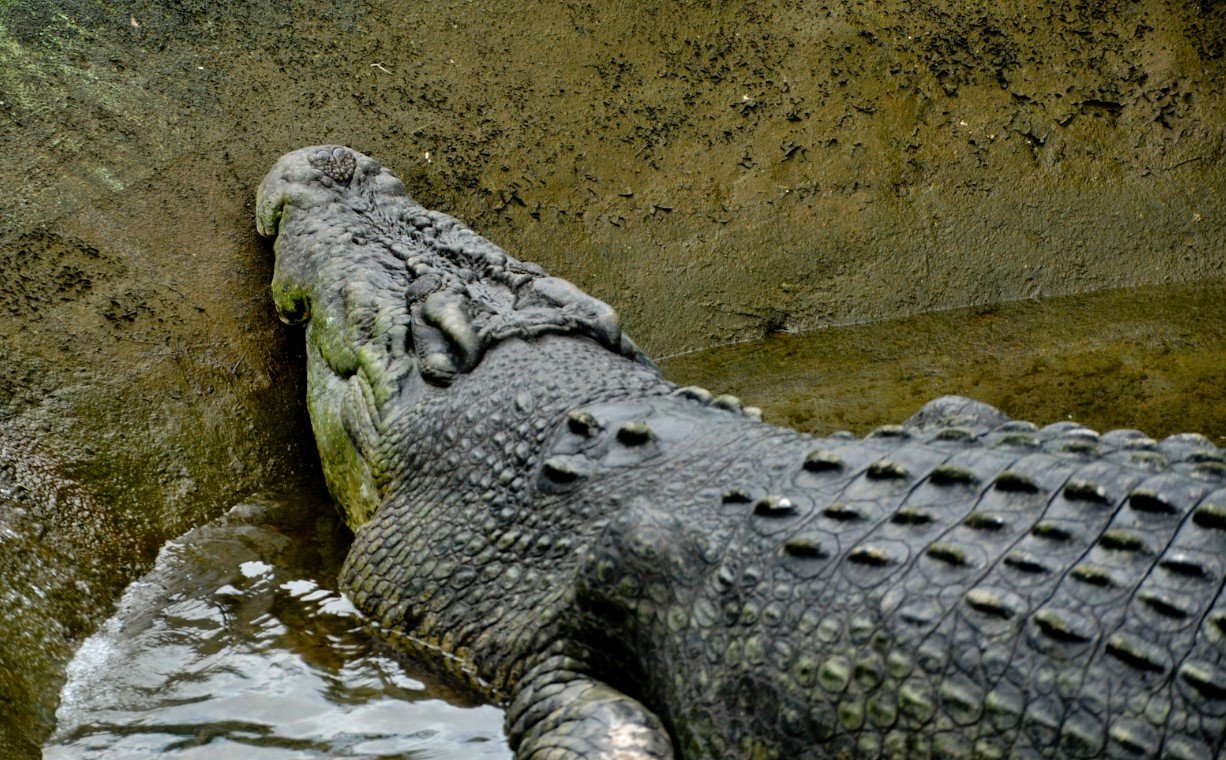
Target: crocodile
(642,570)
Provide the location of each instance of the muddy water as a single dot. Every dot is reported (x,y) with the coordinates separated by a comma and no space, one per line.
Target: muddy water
(1147,358)
(237,644)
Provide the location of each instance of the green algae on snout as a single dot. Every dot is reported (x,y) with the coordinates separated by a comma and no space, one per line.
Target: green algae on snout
(1147,358)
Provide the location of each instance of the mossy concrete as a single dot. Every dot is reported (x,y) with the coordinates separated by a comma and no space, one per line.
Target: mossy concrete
(715,171)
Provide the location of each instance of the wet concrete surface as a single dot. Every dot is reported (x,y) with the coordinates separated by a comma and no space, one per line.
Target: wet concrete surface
(1152,359)
(716,172)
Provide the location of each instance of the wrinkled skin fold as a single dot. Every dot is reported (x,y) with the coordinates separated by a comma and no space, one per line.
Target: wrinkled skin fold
(646,571)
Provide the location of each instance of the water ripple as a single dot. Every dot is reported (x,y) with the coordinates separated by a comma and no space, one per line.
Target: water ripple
(238,645)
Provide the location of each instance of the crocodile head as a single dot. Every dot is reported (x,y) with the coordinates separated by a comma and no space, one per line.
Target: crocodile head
(398,301)
(341,218)
(306,192)
(348,298)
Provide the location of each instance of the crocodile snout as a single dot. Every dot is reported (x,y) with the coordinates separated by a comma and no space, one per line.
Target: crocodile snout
(304,178)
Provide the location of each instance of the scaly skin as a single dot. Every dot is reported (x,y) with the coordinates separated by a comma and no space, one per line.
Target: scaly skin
(644,571)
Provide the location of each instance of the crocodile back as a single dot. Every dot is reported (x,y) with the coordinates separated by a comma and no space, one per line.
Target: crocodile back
(955,592)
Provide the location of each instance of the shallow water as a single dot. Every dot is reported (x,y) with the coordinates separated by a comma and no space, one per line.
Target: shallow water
(238,645)
(1147,358)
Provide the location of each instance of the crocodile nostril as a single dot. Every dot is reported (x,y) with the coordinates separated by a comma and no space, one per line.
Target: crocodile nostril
(338,164)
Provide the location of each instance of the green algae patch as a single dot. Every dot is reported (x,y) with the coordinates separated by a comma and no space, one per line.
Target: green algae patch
(331,400)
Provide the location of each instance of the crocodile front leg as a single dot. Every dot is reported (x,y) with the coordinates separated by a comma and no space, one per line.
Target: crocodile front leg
(560,711)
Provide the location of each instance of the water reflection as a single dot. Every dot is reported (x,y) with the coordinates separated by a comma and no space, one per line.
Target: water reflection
(237,645)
